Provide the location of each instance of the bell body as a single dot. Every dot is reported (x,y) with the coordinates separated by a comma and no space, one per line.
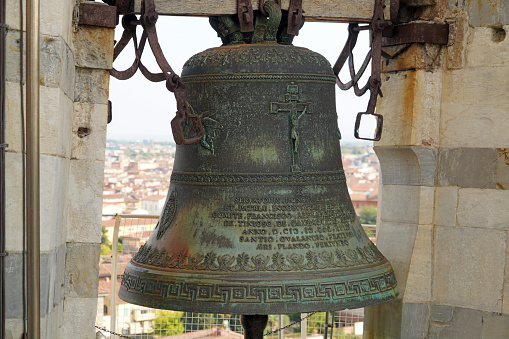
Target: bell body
(258,219)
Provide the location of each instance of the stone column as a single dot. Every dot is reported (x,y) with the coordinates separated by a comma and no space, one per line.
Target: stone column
(93,57)
(443,212)
(73,94)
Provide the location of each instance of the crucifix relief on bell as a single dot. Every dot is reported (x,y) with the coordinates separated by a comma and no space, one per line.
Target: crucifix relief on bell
(296,110)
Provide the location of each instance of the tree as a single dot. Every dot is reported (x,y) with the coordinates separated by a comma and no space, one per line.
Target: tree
(104,237)
(105,242)
(168,323)
(120,246)
(105,249)
(368,215)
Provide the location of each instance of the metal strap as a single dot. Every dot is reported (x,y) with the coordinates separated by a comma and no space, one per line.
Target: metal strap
(246,16)
(174,84)
(374,82)
(294,17)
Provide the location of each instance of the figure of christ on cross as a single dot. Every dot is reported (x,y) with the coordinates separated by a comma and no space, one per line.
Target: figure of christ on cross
(296,110)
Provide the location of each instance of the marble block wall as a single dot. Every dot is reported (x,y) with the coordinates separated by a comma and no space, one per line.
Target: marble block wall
(443,210)
(74,85)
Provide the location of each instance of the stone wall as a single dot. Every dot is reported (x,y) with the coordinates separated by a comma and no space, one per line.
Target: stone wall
(443,216)
(74,91)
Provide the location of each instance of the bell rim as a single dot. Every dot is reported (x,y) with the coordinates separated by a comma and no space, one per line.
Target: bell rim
(267,304)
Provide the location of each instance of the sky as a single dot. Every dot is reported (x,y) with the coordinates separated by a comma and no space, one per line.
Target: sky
(143,109)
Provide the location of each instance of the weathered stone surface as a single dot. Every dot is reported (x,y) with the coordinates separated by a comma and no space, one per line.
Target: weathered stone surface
(407,165)
(467,167)
(13,202)
(396,242)
(415,321)
(82,270)
(487,46)
(466,324)
(13,20)
(52,279)
(397,114)
(92,85)
(384,320)
(504,12)
(57,69)
(13,116)
(48,272)
(446,204)
(399,165)
(51,322)
(442,313)
(505,302)
(56,62)
(56,18)
(51,282)
(52,202)
(418,284)
(86,182)
(502,171)
(464,258)
(414,118)
(59,287)
(93,117)
(474,108)
(416,56)
(13,276)
(78,313)
(427,157)
(12,58)
(55,174)
(426,205)
(426,108)
(486,12)
(14,328)
(483,208)
(458,31)
(401,204)
(495,325)
(94,47)
(55,128)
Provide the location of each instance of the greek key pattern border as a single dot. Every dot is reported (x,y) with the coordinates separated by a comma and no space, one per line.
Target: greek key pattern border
(258,178)
(259,293)
(243,262)
(259,77)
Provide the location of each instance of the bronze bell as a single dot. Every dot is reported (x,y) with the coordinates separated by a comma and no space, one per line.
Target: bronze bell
(258,219)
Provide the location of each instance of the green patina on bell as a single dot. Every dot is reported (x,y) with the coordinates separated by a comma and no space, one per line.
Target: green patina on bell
(258,219)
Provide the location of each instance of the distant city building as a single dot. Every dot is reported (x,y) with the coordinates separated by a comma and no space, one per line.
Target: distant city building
(153,204)
(130,318)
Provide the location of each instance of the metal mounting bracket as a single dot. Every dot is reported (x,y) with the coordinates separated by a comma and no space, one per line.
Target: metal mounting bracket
(97,14)
(246,16)
(416,32)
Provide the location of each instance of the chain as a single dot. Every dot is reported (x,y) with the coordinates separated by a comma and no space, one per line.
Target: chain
(114,333)
(374,82)
(147,20)
(290,325)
